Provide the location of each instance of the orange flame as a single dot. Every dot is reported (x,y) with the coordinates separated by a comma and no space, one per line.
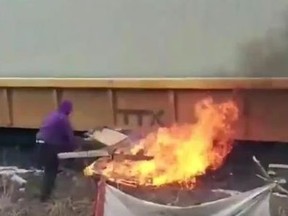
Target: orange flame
(182,152)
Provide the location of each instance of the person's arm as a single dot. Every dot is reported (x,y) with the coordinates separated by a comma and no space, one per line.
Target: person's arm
(68,133)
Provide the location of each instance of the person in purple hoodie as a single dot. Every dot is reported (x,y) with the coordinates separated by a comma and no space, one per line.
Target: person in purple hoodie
(54,136)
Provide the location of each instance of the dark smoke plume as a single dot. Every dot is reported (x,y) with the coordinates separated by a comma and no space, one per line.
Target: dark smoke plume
(268,56)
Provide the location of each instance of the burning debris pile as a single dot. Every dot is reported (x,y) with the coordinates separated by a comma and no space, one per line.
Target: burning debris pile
(174,156)
(169,171)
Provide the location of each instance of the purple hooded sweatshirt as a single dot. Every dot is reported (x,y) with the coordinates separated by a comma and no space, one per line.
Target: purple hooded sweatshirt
(57,130)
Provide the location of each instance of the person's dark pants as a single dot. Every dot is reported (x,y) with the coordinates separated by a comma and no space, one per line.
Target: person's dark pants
(47,158)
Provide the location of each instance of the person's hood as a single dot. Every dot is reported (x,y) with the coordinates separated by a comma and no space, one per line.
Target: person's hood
(65,107)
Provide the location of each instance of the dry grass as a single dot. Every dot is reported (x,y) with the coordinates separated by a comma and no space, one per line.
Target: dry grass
(64,207)
(68,207)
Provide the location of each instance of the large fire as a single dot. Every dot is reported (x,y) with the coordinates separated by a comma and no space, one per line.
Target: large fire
(182,152)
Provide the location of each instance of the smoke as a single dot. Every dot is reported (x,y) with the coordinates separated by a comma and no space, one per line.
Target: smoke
(267,56)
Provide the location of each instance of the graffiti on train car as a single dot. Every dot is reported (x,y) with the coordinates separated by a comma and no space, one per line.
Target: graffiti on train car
(155,116)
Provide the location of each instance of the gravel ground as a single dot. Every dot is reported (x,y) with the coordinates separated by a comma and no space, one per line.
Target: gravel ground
(74,193)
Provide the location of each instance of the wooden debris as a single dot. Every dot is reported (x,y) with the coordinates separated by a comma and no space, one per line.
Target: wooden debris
(84,154)
(116,144)
(266,177)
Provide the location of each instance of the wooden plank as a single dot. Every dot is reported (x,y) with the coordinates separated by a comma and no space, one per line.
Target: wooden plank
(148,83)
(29,106)
(143,109)
(92,108)
(187,99)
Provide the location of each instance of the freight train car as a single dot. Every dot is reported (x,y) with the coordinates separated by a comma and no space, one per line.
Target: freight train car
(147,103)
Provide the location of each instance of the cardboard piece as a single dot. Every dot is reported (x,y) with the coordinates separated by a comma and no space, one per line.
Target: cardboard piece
(109,136)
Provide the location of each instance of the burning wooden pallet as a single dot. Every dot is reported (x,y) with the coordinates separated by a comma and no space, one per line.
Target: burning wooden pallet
(172,199)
